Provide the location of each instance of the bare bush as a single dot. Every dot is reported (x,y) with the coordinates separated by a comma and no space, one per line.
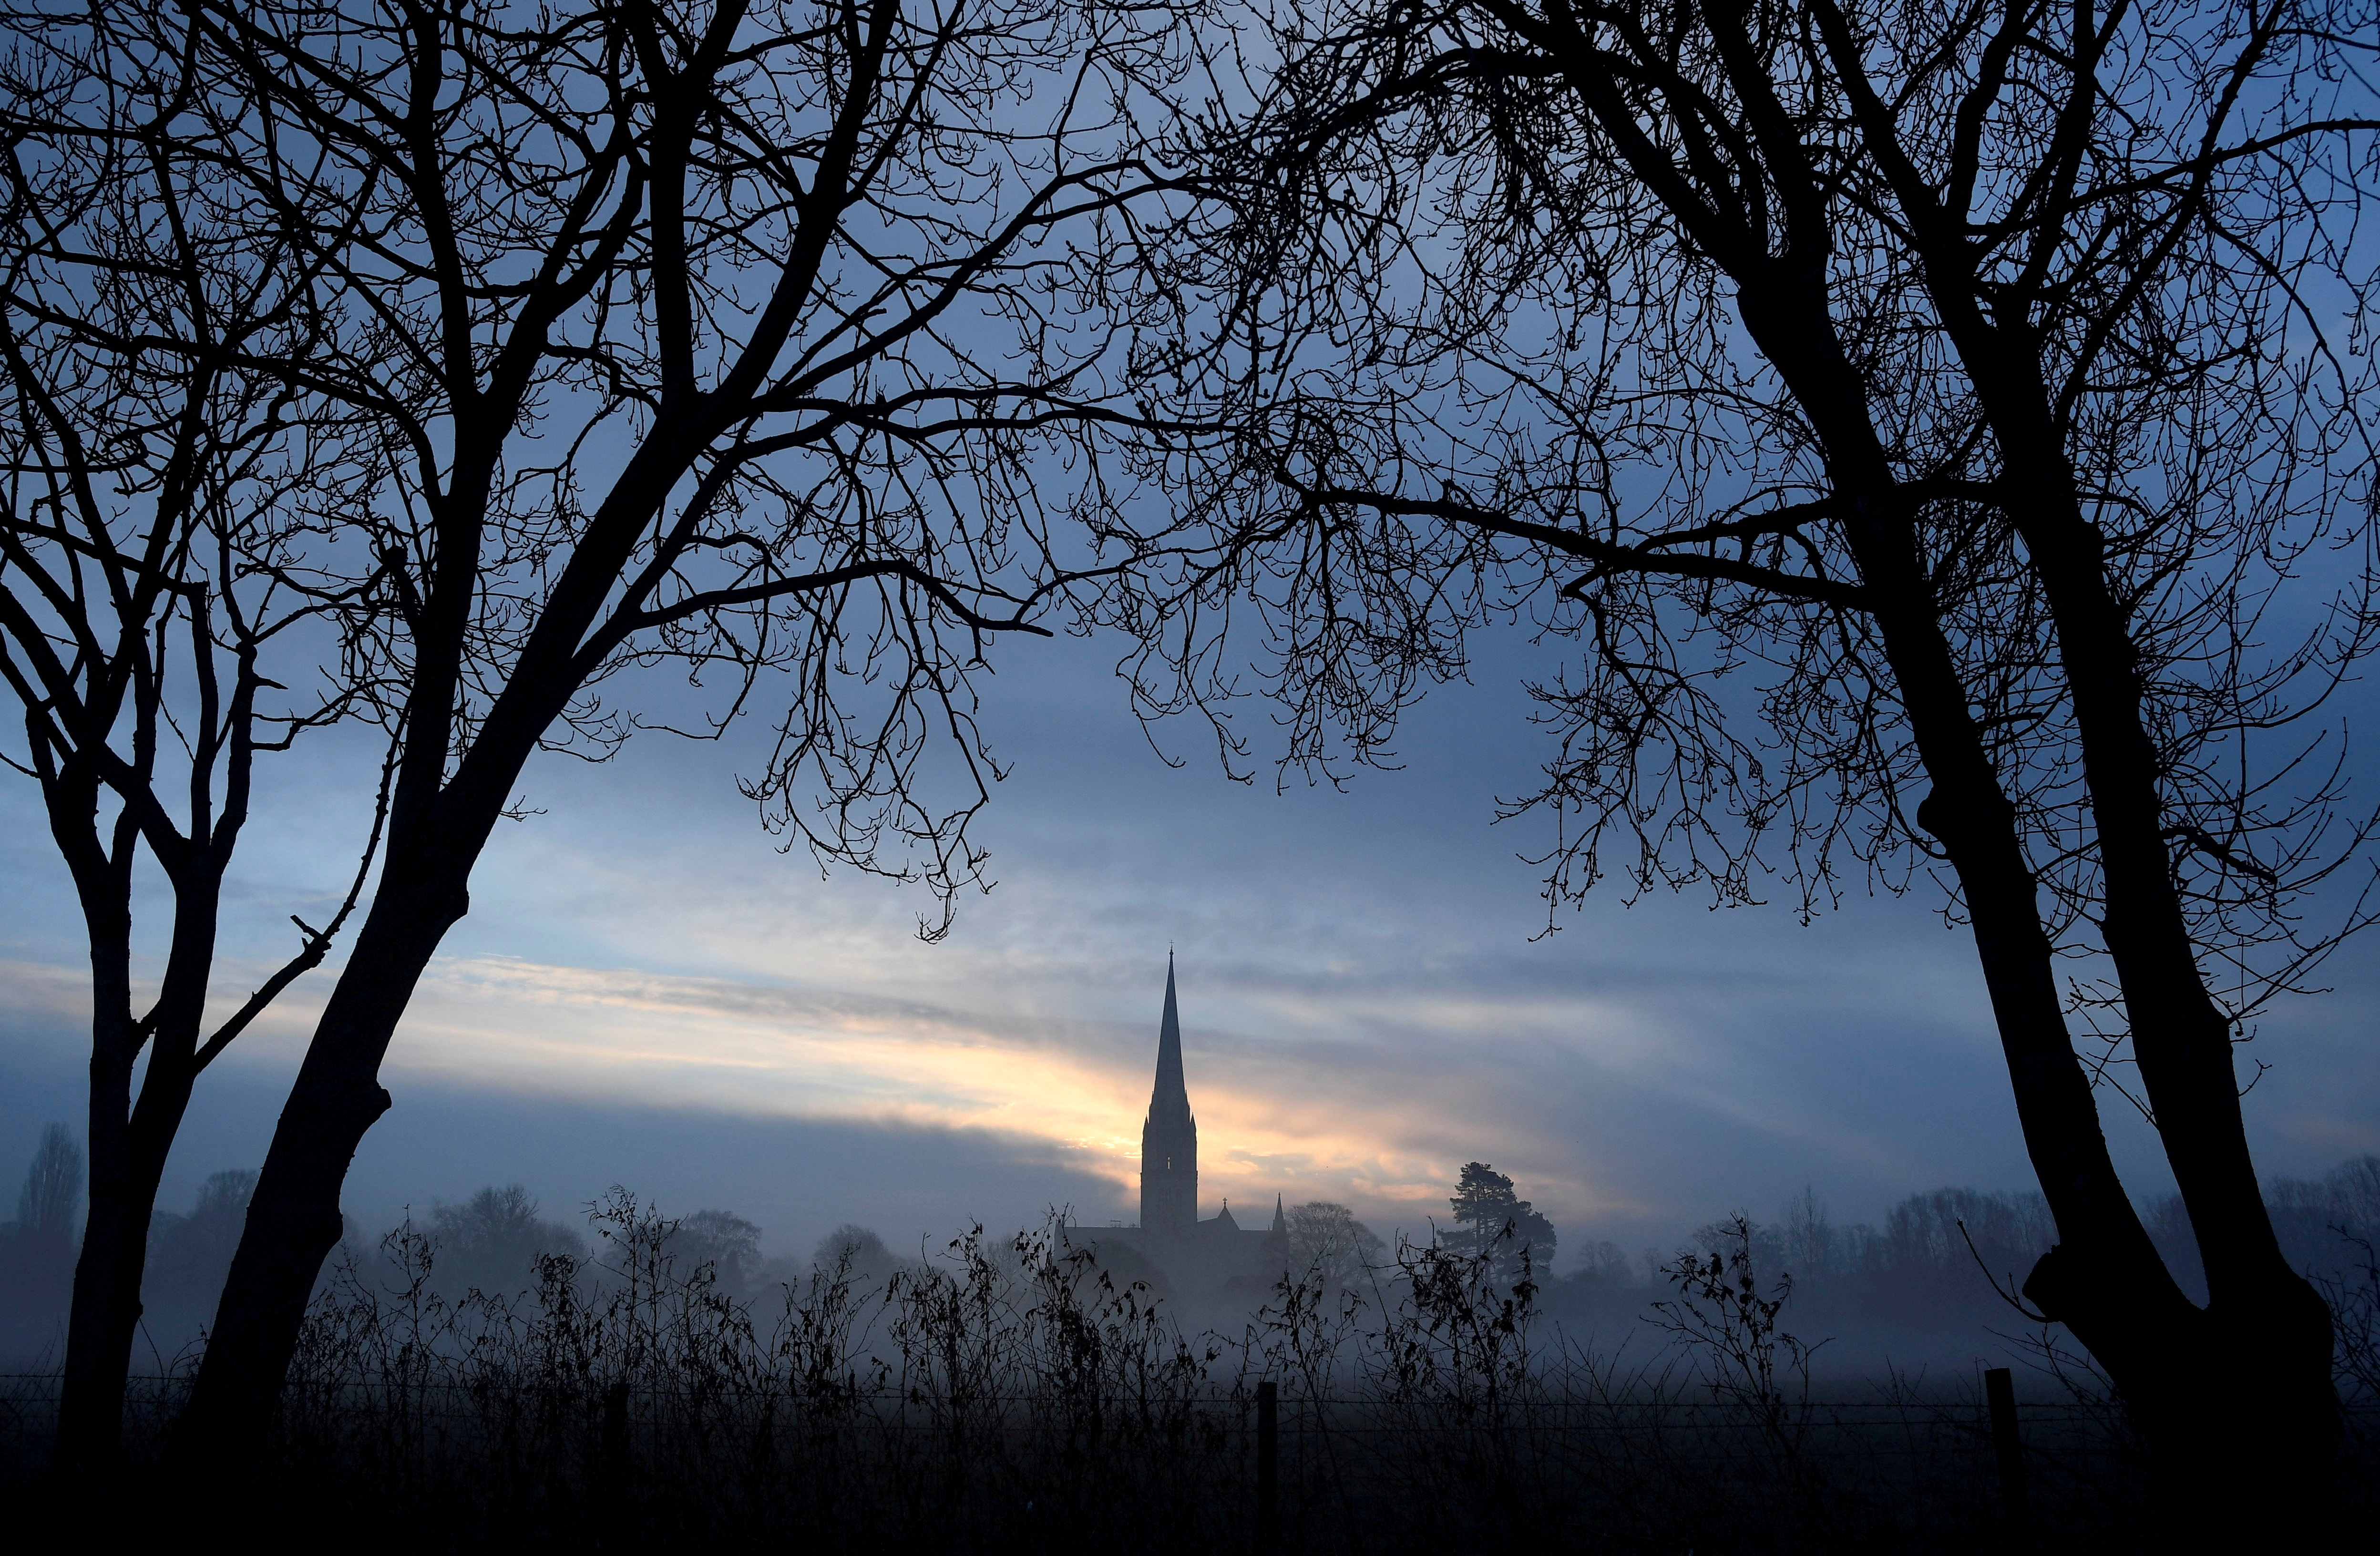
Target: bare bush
(1008,1393)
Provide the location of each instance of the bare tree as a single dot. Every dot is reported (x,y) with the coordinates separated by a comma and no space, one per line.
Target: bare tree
(1945,430)
(714,337)
(1328,1244)
(37,1250)
(161,475)
(52,1189)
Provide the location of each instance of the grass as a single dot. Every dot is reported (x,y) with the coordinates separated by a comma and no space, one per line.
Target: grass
(1009,1396)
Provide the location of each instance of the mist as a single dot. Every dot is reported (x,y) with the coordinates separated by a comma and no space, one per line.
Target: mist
(1932,1284)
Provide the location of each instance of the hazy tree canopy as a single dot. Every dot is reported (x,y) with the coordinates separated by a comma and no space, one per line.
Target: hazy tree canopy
(491,1241)
(2005,1231)
(188,1252)
(1809,1237)
(857,1248)
(1600,1261)
(723,1240)
(1328,1242)
(37,1250)
(51,1193)
(1931,1266)
(1490,1219)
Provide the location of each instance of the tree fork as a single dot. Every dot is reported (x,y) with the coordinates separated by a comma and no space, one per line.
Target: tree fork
(129,1137)
(2268,1331)
(2108,1282)
(2265,1321)
(2181,1038)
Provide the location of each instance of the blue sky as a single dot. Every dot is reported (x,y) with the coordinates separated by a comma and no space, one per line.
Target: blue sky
(647,993)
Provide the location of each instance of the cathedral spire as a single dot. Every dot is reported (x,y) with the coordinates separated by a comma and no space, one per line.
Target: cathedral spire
(1168,1139)
(1170,1098)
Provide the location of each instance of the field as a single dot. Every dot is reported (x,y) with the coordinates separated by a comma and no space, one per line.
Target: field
(1011,1396)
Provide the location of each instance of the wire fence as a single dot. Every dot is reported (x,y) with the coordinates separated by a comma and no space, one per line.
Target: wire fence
(162,1393)
(911,1468)
(431,1419)
(1018,1399)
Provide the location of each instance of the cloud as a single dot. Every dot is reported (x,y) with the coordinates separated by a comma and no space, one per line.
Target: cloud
(1364,1006)
(1360,1109)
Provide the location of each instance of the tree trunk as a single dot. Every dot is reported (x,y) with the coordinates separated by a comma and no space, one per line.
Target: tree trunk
(2235,1400)
(105,1319)
(293,1219)
(2262,1349)
(106,1308)
(127,1142)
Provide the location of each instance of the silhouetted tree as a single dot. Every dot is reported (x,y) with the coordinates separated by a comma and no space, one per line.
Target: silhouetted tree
(166,478)
(560,343)
(1952,392)
(1327,1242)
(1491,1218)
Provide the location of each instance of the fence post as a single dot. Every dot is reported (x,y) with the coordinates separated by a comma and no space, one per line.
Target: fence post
(2016,1517)
(1267,1468)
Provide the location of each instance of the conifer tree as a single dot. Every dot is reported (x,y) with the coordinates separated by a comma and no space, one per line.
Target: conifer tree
(1490,1218)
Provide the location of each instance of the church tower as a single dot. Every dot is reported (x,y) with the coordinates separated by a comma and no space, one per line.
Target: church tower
(1169,1140)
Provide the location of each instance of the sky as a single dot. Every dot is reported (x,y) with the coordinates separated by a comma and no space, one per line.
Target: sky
(647,993)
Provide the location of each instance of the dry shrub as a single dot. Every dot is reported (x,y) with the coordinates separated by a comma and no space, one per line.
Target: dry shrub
(1008,1395)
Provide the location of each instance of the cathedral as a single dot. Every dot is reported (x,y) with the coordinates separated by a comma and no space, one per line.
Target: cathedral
(1185,1256)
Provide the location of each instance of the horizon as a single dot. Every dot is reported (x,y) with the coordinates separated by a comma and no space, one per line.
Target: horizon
(643,980)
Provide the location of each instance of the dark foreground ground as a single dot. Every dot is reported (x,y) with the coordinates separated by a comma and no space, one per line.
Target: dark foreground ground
(458,1468)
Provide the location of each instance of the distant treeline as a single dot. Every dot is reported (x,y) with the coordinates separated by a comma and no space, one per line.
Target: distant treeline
(1007,1393)
(1943,1262)
(491,1242)
(1953,1259)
